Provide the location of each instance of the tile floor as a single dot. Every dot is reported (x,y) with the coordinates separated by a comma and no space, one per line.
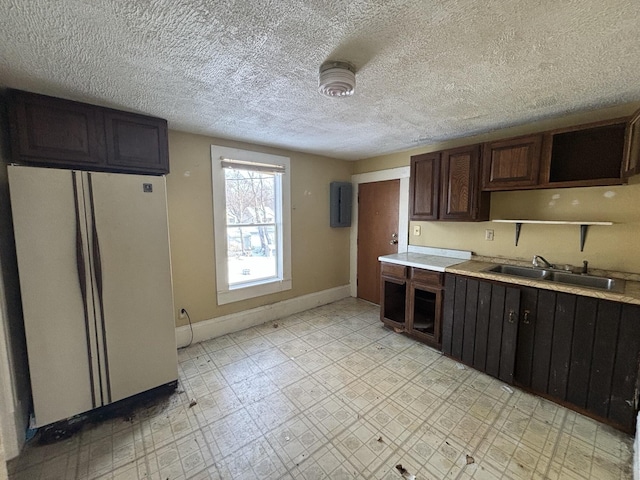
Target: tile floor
(330,393)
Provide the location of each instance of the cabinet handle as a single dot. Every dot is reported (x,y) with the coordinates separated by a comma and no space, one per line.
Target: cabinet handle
(526,317)
(393,242)
(512,316)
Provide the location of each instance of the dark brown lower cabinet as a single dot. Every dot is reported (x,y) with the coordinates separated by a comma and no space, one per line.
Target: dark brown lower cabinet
(480,325)
(581,351)
(411,300)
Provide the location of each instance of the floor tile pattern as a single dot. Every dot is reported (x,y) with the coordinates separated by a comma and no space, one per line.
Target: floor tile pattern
(330,393)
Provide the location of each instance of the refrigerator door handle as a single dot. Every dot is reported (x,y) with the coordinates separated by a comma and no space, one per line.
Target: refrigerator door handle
(97,268)
(82,280)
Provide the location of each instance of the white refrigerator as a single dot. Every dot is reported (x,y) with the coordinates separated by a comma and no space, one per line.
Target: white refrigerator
(95,279)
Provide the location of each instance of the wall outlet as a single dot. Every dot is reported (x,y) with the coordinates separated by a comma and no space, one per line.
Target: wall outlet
(488,235)
(183,313)
(416,230)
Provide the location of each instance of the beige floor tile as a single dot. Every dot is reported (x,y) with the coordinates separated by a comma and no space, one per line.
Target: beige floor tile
(331,394)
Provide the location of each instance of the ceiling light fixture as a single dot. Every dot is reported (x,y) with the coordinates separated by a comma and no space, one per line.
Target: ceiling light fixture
(336,79)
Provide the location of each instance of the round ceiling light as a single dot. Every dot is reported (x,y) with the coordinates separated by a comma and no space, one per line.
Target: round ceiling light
(337,79)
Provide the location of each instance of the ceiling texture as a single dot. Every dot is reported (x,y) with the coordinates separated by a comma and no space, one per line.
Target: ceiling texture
(426,70)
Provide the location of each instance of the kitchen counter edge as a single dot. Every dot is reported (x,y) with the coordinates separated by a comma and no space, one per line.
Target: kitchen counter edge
(475,268)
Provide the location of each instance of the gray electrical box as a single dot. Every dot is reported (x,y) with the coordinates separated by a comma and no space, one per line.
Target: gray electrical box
(340,209)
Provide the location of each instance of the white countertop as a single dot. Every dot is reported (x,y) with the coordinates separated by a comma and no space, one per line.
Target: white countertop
(428,258)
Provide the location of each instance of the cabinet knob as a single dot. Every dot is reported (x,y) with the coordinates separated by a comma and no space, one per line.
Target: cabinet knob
(526,317)
(393,242)
(512,316)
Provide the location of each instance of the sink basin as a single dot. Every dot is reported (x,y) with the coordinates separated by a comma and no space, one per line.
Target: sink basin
(602,283)
(527,272)
(558,276)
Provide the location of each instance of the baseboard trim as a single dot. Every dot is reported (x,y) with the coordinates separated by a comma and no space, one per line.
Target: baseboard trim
(235,322)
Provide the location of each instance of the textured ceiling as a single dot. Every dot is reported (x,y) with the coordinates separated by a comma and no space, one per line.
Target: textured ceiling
(427,70)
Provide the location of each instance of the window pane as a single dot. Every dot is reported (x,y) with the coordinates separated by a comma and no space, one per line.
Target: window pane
(250,196)
(251,253)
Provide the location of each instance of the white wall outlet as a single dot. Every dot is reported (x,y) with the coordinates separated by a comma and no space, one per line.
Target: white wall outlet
(416,230)
(183,313)
(488,235)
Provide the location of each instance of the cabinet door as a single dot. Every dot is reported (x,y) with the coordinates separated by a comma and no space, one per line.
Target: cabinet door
(624,386)
(511,164)
(480,325)
(136,143)
(424,187)
(632,146)
(460,198)
(526,336)
(47,130)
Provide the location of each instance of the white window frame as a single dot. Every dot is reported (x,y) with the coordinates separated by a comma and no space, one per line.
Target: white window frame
(225,292)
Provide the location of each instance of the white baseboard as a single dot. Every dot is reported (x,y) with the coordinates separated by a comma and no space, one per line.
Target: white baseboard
(235,322)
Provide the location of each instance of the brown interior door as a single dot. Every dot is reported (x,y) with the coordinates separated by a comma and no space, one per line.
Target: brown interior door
(377,233)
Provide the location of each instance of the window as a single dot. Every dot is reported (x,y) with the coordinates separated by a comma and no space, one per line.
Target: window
(252,223)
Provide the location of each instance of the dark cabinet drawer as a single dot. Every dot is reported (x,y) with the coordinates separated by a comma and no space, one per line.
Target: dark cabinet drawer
(393,270)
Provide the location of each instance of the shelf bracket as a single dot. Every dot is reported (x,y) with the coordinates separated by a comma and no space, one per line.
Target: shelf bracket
(518,227)
(583,235)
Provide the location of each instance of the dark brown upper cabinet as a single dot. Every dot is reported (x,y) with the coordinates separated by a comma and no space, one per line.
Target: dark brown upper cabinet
(632,146)
(56,131)
(424,186)
(461,198)
(585,155)
(511,164)
(445,186)
(135,142)
(48,131)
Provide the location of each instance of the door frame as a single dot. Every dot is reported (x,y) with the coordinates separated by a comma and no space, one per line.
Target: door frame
(400,173)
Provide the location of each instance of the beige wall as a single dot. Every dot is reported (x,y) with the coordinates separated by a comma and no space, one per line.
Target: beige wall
(320,254)
(607,247)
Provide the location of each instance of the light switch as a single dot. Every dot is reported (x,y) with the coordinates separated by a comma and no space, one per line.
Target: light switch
(488,235)
(416,230)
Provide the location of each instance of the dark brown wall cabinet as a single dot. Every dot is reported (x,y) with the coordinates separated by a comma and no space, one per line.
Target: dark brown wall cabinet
(411,300)
(511,164)
(580,351)
(601,153)
(445,186)
(49,131)
(584,155)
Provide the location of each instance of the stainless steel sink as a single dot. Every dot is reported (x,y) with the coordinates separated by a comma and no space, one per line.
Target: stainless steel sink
(590,281)
(527,272)
(559,276)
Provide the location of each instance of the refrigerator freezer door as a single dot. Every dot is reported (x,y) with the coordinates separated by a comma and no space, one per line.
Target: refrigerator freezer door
(51,234)
(134,271)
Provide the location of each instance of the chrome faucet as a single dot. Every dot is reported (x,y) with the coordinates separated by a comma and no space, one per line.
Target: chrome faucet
(539,261)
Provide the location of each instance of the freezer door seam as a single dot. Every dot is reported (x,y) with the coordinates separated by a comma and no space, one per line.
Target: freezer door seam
(97,263)
(82,278)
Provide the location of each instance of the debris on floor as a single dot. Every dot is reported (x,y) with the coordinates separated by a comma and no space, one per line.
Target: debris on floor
(193,403)
(470,460)
(460,366)
(405,474)
(507,389)
(380,440)
(275,325)
(398,329)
